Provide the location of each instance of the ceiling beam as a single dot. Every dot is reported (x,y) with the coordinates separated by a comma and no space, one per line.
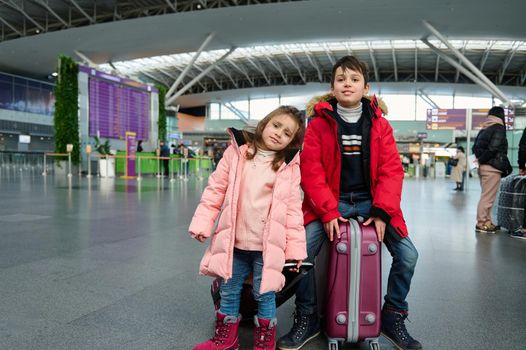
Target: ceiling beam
(329,54)
(457,74)
(468,64)
(10,26)
(50,10)
(465,71)
(278,68)
(296,65)
(313,64)
(437,68)
(198,77)
(508,59)
(486,54)
(18,8)
(236,111)
(189,65)
(258,67)
(427,99)
(154,78)
(85,58)
(243,71)
(375,68)
(523,77)
(228,75)
(395,65)
(416,63)
(172,6)
(91,19)
(211,76)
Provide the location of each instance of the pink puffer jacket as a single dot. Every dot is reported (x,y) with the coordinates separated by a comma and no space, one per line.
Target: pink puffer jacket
(284,234)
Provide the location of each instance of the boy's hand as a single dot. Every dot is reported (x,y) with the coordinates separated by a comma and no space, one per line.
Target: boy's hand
(297,267)
(332,227)
(522,172)
(379,225)
(200,238)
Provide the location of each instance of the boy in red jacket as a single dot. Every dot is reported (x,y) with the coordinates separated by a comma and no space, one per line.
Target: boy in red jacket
(350,167)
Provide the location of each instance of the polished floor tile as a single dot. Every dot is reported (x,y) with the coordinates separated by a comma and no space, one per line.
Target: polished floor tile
(108,264)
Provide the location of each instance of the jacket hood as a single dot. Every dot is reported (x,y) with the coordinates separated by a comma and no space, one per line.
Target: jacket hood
(238,139)
(309,110)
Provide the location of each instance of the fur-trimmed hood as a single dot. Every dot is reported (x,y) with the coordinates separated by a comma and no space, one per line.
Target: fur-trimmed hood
(309,110)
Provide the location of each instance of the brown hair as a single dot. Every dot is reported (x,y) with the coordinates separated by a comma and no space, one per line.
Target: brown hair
(255,138)
(350,62)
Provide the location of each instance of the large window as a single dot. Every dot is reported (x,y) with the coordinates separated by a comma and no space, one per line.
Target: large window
(259,108)
(400,106)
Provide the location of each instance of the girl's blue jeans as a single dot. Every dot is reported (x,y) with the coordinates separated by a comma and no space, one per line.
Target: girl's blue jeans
(246,262)
(402,250)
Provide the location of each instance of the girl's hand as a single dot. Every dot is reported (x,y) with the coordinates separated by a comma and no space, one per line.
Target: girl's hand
(200,238)
(333,227)
(379,225)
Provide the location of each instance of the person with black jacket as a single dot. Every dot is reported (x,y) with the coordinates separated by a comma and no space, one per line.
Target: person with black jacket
(521,231)
(491,149)
(164,152)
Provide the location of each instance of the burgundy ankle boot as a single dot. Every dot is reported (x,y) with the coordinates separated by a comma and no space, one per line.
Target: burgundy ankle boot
(264,334)
(225,337)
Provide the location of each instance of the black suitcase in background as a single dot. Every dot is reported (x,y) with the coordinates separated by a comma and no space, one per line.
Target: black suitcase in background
(511,202)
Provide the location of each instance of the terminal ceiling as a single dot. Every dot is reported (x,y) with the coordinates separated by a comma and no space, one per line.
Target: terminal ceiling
(309,36)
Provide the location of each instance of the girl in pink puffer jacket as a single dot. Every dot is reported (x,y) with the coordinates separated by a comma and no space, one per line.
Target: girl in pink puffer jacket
(256,191)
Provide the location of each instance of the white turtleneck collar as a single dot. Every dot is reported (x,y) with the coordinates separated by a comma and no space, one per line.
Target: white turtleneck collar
(350,115)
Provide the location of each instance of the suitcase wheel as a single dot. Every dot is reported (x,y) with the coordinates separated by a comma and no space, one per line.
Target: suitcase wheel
(333,344)
(373,345)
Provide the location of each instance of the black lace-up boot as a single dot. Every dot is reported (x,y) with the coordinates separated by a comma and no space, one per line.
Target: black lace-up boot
(393,328)
(304,329)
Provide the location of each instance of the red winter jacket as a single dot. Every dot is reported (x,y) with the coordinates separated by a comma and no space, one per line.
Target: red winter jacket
(320,167)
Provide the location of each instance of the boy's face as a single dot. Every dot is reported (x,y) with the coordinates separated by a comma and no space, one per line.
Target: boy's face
(279,132)
(349,87)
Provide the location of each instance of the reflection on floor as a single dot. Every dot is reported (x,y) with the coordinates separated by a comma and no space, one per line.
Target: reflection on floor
(108,264)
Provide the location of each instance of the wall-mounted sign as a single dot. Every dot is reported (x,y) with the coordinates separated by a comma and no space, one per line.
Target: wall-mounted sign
(446,119)
(478,117)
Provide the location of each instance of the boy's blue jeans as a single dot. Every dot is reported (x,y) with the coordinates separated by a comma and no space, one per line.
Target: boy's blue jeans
(246,262)
(403,252)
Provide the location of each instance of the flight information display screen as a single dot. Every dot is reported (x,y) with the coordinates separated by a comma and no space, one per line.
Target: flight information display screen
(117,106)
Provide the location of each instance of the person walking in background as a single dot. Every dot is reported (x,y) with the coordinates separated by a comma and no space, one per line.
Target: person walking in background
(165,152)
(256,188)
(458,174)
(350,167)
(521,231)
(139,146)
(491,149)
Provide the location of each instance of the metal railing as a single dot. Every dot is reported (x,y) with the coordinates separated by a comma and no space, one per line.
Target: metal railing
(45,163)
(21,161)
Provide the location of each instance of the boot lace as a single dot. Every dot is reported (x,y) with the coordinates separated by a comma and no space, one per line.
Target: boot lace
(221,333)
(263,337)
(401,330)
(300,325)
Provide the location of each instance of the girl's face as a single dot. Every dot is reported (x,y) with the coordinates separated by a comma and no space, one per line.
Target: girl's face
(279,132)
(349,87)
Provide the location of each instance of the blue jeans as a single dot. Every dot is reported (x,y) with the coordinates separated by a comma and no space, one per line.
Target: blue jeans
(246,262)
(403,252)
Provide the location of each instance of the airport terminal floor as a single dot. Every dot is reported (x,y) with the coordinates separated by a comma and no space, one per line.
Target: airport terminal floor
(108,264)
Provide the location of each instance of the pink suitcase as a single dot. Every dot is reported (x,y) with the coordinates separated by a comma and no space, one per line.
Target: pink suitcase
(354,286)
